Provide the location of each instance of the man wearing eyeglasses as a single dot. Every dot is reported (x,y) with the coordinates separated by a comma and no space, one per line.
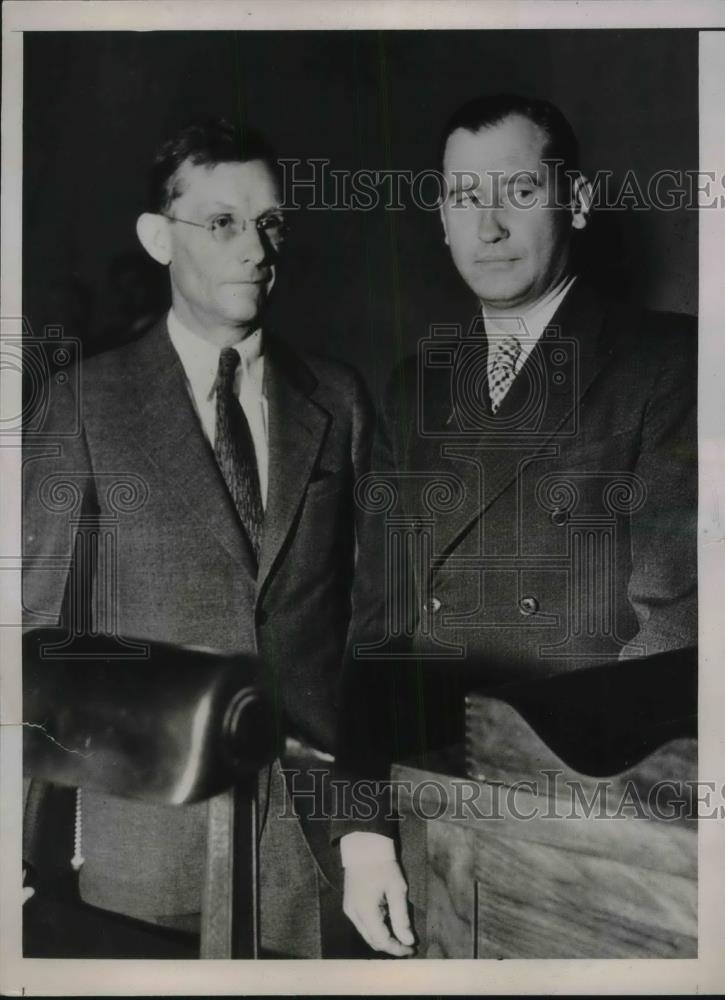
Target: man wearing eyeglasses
(249,451)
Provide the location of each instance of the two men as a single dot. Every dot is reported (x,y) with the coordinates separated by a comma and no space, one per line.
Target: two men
(244,454)
(542,461)
(533,505)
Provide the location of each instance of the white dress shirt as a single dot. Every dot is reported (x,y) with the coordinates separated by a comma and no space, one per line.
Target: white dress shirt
(526,327)
(200,360)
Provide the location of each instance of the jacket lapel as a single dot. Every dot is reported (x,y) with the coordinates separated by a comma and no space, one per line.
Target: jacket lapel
(297,428)
(488,462)
(168,431)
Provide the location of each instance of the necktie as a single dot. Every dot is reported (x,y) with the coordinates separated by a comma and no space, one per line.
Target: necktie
(234,450)
(503,370)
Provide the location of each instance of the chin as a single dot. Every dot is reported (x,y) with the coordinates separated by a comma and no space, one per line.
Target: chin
(500,293)
(242,307)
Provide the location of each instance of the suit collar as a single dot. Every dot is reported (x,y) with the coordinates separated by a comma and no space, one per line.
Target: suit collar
(153,378)
(539,412)
(297,428)
(167,430)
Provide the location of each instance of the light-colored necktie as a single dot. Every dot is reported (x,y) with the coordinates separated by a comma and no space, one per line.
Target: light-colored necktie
(503,370)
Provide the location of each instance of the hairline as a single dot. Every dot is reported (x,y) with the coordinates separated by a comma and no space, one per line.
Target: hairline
(171,189)
(477,129)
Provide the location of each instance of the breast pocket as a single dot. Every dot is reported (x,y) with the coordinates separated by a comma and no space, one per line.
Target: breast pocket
(615,451)
(327,484)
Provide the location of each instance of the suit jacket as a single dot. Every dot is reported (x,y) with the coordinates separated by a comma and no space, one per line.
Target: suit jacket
(140,467)
(558,534)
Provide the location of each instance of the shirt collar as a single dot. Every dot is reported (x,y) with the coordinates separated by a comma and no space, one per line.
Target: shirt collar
(200,358)
(530,323)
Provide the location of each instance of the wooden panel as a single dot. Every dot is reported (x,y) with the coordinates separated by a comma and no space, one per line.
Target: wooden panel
(502,747)
(451,903)
(510,877)
(540,902)
(653,845)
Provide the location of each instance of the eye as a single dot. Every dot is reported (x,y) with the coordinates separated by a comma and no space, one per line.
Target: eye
(523,191)
(271,224)
(221,224)
(463,198)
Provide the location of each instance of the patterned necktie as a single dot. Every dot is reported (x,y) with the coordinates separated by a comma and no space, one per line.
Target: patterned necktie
(234,450)
(503,370)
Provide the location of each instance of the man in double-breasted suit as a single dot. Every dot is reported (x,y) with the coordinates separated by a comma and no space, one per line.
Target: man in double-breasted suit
(533,504)
(226,462)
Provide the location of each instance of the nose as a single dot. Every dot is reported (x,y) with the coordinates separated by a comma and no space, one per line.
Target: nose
(250,246)
(491,227)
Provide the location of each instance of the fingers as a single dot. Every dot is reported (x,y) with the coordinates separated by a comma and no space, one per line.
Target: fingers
(371,926)
(397,897)
(370,890)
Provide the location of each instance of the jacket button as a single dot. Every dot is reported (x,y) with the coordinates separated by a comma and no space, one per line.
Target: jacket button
(435,605)
(559,516)
(528,605)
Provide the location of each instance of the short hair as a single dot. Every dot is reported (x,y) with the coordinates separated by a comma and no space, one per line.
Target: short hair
(483,112)
(205,142)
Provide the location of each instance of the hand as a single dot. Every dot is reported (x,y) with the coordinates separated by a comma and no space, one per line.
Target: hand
(370,891)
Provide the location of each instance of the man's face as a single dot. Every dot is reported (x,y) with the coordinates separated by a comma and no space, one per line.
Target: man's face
(508,247)
(222,283)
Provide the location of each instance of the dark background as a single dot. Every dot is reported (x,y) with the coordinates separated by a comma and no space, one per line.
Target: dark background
(361,286)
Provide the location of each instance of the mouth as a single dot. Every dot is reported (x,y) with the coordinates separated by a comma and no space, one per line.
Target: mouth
(495,261)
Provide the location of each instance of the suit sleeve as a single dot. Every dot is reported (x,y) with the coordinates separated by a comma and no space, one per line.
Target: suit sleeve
(374,688)
(663,583)
(57,489)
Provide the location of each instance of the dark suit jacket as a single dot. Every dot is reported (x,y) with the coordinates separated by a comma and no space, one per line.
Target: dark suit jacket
(183,571)
(558,534)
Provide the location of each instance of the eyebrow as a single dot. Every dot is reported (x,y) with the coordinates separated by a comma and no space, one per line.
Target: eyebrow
(517,175)
(470,185)
(222,206)
(207,207)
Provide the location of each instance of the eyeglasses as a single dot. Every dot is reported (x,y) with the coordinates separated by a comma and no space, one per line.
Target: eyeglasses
(226,227)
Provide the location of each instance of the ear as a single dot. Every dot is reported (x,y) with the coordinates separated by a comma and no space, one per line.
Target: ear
(444,224)
(153,233)
(582,197)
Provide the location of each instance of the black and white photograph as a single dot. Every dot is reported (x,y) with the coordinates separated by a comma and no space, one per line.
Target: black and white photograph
(362,441)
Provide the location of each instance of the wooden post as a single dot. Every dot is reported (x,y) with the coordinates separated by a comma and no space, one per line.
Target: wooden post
(230,903)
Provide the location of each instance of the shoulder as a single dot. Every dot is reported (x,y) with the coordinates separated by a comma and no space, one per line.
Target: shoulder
(326,379)
(671,328)
(655,342)
(132,357)
(67,397)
